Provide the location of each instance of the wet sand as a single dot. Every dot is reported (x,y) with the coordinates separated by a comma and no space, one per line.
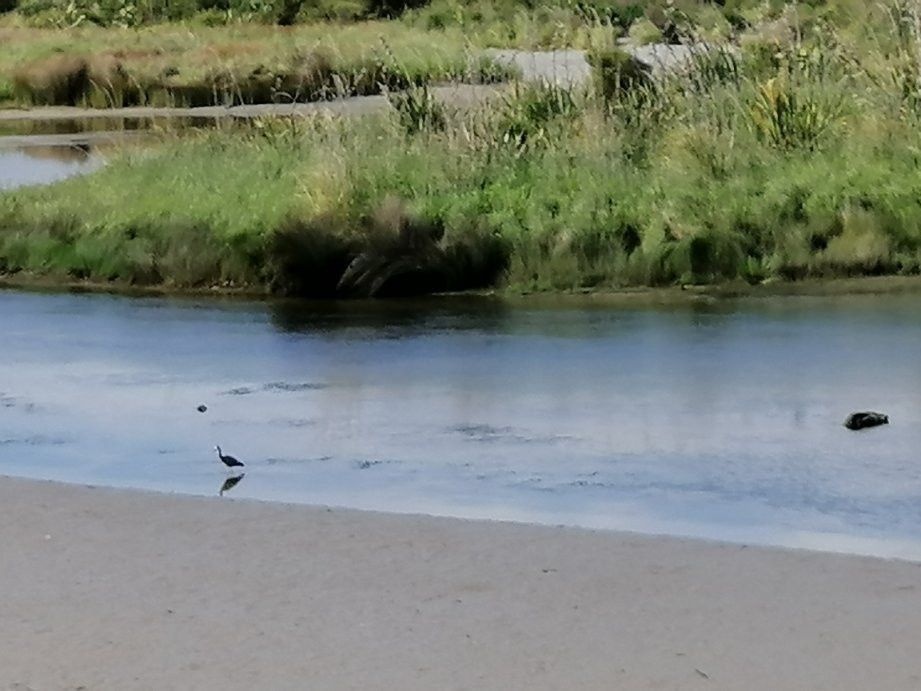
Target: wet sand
(107,589)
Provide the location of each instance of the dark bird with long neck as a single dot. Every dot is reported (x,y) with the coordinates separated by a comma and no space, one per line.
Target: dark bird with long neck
(229,461)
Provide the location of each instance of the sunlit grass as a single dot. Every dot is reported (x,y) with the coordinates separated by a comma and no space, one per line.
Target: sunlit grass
(242,62)
(569,205)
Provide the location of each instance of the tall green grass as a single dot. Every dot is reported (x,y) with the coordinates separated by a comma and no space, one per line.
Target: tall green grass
(804,164)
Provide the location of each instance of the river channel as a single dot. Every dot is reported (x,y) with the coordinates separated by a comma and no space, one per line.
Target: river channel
(717,420)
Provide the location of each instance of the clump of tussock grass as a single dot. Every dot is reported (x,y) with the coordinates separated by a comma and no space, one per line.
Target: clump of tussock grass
(790,118)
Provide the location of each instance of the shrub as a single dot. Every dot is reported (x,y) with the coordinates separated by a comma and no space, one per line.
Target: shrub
(710,256)
(620,13)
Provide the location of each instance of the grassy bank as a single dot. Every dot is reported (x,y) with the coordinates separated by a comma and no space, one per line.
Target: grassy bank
(801,161)
(202,52)
(243,63)
(197,52)
(536,193)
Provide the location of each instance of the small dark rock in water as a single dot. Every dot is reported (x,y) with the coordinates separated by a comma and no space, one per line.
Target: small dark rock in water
(866,419)
(202,408)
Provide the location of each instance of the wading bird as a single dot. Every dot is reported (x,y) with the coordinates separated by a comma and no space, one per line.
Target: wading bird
(229,461)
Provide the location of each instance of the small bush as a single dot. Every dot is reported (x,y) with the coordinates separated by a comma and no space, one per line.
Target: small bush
(619,13)
(709,23)
(399,252)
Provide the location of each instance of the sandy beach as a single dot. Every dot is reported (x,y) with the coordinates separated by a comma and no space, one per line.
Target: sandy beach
(111,589)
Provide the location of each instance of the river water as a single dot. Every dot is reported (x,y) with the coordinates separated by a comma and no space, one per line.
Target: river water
(40,165)
(718,421)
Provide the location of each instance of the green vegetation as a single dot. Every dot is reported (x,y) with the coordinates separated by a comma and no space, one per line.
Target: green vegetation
(793,152)
(719,175)
(171,65)
(197,52)
(436,14)
(201,52)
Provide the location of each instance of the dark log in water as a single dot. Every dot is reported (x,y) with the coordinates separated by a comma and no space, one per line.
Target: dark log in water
(866,419)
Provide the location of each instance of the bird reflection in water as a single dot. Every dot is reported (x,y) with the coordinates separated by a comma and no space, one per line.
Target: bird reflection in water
(230,483)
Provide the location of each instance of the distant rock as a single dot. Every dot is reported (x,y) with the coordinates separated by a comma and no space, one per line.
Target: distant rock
(566,68)
(663,58)
(866,419)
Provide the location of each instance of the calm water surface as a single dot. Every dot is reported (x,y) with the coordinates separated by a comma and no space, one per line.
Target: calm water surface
(39,165)
(712,421)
